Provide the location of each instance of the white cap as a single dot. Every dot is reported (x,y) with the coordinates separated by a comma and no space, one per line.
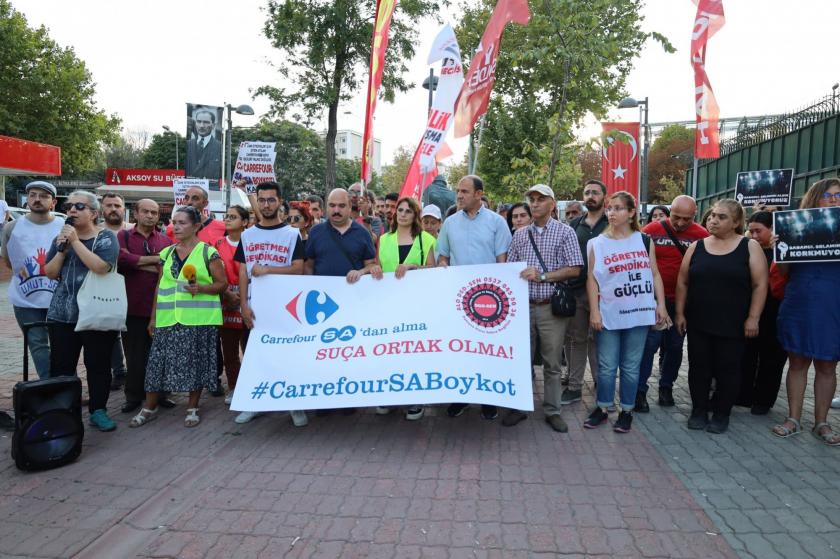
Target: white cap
(541,189)
(433,211)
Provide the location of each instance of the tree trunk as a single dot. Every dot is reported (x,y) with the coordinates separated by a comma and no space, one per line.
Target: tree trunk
(332,129)
(552,168)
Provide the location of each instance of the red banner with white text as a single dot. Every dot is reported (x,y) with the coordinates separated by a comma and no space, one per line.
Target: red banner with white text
(620,156)
(142,177)
(475,93)
(415,179)
(707,22)
(379,44)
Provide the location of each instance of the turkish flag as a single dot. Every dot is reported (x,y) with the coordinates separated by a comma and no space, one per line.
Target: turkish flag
(475,93)
(620,157)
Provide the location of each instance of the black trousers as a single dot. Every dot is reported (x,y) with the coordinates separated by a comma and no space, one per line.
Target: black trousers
(137,344)
(762,366)
(713,357)
(65,347)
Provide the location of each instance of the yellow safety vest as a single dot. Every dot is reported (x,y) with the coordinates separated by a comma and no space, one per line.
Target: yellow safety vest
(389,251)
(176,305)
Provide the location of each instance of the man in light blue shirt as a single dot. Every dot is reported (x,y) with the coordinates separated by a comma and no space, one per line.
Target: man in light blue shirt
(473,235)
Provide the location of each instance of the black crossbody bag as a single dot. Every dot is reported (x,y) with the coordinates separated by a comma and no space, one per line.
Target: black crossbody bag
(562,300)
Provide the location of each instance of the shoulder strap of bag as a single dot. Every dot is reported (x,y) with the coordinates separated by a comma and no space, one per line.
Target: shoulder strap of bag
(206,249)
(337,240)
(422,254)
(537,251)
(673,236)
(646,242)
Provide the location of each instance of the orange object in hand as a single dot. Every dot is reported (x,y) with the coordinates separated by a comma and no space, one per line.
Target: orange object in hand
(189,274)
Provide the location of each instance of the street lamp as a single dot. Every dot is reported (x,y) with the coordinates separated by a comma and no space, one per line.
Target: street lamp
(242,110)
(168,129)
(431,84)
(630,103)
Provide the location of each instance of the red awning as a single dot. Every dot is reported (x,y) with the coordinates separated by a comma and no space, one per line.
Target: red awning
(21,157)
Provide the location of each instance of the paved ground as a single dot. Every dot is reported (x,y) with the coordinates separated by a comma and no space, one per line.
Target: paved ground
(371,486)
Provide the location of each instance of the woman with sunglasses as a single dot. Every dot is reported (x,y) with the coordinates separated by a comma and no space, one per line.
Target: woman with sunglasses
(185,318)
(406,247)
(80,248)
(300,219)
(809,322)
(233,336)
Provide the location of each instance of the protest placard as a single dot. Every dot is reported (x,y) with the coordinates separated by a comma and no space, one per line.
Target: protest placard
(439,335)
(254,164)
(811,235)
(773,187)
(180,187)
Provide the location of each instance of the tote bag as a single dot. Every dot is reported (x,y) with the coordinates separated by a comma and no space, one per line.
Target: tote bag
(102,302)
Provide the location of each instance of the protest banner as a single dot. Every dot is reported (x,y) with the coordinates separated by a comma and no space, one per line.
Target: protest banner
(254,165)
(204,143)
(773,187)
(707,21)
(439,335)
(811,235)
(142,177)
(180,187)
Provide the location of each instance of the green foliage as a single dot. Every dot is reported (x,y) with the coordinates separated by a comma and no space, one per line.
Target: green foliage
(48,95)
(456,171)
(325,46)
(393,175)
(669,158)
(573,58)
(161,151)
(669,188)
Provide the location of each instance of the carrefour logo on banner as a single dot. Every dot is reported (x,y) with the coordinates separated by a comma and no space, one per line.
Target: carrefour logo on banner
(315,308)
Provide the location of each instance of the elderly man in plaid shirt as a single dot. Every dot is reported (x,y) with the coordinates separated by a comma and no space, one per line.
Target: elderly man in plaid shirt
(560,251)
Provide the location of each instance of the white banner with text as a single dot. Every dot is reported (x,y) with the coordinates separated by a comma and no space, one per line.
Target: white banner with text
(439,335)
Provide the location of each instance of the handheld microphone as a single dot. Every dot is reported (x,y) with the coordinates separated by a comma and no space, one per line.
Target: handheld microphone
(189,274)
(62,246)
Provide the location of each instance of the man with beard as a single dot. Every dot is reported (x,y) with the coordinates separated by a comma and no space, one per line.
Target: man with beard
(269,247)
(211,229)
(138,262)
(391,200)
(340,247)
(671,238)
(579,340)
(25,243)
(316,208)
(113,211)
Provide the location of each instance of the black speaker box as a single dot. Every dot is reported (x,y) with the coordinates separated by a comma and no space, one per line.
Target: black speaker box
(48,420)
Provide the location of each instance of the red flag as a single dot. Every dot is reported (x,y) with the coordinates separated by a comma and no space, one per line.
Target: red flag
(415,181)
(620,156)
(379,44)
(707,22)
(475,93)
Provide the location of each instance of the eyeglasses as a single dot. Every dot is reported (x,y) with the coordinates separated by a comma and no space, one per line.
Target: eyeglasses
(230,216)
(355,193)
(829,195)
(294,219)
(613,209)
(266,201)
(405,211)
(78,205)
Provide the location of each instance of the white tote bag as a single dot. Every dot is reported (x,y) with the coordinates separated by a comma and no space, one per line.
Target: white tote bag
(102,301)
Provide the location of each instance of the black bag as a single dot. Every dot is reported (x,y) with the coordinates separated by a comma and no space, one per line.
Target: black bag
(563,301)
(48,418)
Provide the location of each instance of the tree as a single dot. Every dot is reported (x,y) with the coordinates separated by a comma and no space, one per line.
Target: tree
(573,58)
(394,174)
(160,154)
(457,171)
(325,45)
(668,159)
(48,95)
(128,150)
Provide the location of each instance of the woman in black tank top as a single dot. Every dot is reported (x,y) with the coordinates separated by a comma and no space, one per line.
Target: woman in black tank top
(720,294)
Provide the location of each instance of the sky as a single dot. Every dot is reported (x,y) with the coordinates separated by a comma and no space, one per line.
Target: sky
(150,58)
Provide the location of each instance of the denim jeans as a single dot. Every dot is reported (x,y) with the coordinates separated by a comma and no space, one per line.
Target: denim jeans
(620,349)
(39,341)
(673,349)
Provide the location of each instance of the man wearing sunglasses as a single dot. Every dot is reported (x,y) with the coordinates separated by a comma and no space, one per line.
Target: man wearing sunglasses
(25,243)
(139,262)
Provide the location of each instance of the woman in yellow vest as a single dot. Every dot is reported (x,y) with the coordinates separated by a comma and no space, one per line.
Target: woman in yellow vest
(406,247)
(185,320)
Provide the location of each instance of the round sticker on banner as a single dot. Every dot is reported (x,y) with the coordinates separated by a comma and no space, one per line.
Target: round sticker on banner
(487,305)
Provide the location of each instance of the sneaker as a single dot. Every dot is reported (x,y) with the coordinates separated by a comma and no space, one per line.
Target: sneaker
(698,420)
(489,412)
(514,417)
(596,418)
(666,397)
(569,397)
(455,410)
(299,418)
(759,409)
(228,398)
(383,410)
(557,423)
(835,403)
(719,424)
(247,417)
(414,413)
(623,423)
(100,420)
(641,404)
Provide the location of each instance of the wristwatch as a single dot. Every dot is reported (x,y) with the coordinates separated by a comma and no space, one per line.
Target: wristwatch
(542,277)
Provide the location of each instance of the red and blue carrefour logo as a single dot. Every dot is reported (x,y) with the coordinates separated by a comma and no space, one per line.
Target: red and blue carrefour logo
(314,308)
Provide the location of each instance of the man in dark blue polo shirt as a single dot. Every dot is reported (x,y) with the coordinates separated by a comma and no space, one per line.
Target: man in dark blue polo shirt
(340,247)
